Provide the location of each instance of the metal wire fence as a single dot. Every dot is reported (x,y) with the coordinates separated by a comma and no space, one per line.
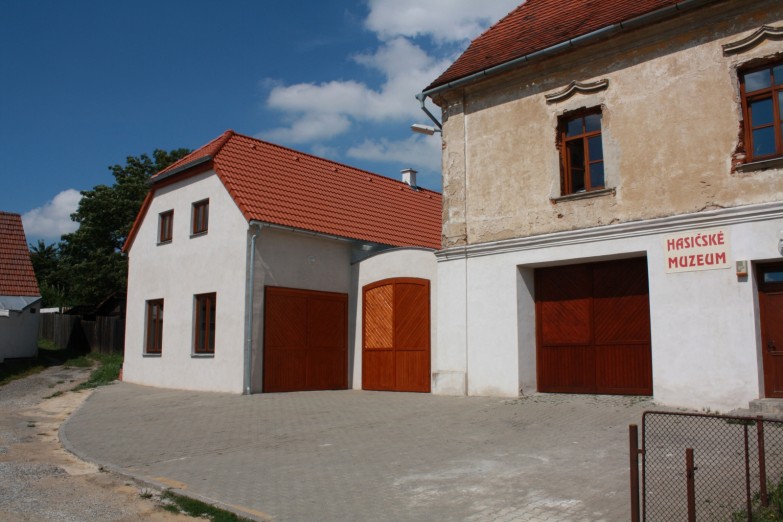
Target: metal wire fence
(708,467)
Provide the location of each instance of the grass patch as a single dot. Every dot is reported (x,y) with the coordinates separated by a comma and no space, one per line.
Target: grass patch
(55,394)
(773,512)
(106,372)
(82,361)
(195,508)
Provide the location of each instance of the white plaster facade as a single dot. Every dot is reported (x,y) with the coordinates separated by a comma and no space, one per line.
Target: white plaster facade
(399,262)
(706,350)
(176,272)
(670,134)
(19,331)
(220,261)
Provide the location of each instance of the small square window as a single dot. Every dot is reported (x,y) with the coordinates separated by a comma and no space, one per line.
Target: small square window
(154,333)
(582,152)
(166,224)
(205,324)
(200,217)
(762,112)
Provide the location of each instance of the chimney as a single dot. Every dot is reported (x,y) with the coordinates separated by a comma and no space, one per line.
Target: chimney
(409,177)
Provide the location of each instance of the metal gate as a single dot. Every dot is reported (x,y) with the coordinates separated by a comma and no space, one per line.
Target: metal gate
(705,467)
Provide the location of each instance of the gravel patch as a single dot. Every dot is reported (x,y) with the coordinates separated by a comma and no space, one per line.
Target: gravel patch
(39,480)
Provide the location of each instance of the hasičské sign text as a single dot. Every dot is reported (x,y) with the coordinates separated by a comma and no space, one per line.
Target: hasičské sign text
(702,250)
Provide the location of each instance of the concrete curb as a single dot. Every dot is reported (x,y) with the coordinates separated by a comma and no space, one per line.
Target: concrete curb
(140,479)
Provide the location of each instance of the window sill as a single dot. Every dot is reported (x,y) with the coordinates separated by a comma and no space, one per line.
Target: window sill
(584,195)
(202,355)
(153,355)
(199,234)
(167,242)
(772,163)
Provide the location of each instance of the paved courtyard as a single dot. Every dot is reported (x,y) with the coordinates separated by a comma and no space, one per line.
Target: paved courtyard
(361,456)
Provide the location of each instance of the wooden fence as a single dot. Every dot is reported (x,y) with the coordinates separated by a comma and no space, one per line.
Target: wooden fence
(101,335)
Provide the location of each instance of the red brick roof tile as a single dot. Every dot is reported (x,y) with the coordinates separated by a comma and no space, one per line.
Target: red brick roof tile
(17,277)
(278,185)
(538,24)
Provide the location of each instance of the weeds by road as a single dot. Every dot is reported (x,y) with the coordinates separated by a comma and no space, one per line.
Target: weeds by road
(106,366)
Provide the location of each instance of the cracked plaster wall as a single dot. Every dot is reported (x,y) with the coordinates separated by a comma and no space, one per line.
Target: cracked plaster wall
(671,131)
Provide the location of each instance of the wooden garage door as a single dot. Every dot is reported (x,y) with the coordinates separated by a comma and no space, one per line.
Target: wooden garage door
(593,328)
(305,340)
(396,335)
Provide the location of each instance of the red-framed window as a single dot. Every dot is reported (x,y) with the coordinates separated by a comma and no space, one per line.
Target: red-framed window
(582,152)
(200,217)
(165,226)
(204,334)
(762,110)
(154,335)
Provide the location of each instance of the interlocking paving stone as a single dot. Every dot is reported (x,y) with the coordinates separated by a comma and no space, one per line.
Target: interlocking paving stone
(357,456)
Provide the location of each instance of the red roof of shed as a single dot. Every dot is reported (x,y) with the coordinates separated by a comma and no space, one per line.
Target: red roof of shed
(17,277)
(538,24)
(278,185)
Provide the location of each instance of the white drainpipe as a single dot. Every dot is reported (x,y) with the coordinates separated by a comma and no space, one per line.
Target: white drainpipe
(249,316)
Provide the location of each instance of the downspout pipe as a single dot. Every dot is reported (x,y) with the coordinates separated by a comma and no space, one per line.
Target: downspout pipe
(249,312)
(585,39)
(428,113)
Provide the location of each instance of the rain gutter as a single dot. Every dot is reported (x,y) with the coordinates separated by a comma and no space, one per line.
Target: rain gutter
(579,41)
(263,224)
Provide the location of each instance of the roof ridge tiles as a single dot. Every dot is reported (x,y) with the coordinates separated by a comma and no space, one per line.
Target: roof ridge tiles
(322,159)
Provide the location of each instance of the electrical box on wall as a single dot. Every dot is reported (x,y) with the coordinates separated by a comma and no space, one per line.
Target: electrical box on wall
(742,268)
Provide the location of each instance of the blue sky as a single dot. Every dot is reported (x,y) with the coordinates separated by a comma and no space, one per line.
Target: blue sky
(85,84)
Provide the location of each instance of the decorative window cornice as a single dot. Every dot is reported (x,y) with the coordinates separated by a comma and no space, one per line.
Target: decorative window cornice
(574,87)
(762,33)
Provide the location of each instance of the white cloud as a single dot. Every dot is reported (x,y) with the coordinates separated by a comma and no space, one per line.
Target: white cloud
(312,127)
(443,20)
(315,112)
(419,152)
(52,220)
(326,110)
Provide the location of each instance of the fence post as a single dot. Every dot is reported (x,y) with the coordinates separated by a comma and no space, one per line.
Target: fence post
(633,435)
(690,470)
(762,462)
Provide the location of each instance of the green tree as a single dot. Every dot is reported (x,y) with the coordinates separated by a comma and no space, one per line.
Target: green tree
(90,258)
(46,263)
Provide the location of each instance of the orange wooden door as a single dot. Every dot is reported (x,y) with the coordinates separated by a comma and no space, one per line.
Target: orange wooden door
(305,340)
(771,310)
(593,328)
(621,319)
(566,359)
(396,335)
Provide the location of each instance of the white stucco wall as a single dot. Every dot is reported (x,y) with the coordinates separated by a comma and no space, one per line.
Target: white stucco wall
(298,260)
(399,262)
(176,272)
(19,333)
(705,344)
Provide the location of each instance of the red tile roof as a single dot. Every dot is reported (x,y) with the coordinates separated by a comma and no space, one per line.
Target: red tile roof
(278,185)
(538,24)
(17,277)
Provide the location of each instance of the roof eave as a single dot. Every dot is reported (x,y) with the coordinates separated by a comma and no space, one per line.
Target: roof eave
(182,168)
(585,39)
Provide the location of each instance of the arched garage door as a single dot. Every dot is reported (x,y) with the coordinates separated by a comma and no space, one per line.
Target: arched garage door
(305,340)
(396,335)
(593,328)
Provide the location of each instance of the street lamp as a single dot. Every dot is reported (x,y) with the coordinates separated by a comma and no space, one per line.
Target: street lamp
(424,129)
